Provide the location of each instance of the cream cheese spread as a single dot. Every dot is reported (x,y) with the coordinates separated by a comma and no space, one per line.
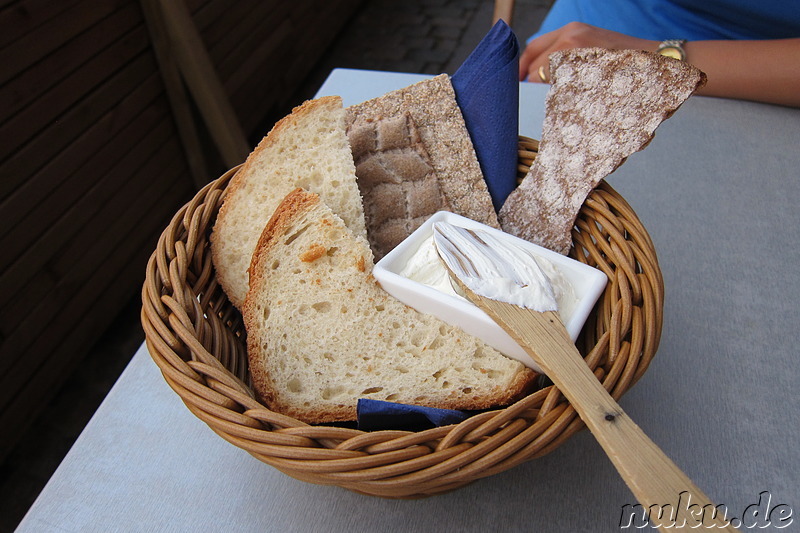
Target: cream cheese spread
(501,270)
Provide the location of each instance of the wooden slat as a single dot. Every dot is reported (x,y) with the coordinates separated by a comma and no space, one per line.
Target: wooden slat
(121,214)
(266,51)
(63,130)
(503,9)
(228,52)
(92,274)
(182,110)
(195,5)
(33,246)
(91,164)
(82,280)
(33,274)
(203,84)
(206,17)
(29,49)
(21,18)
(19,406)
(255,95)
(39,78)
(81,272)
(259,95)
(50,108)
(21,209)
(225,24)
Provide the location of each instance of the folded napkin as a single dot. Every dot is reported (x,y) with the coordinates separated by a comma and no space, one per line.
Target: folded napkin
(375,415)
(487,91)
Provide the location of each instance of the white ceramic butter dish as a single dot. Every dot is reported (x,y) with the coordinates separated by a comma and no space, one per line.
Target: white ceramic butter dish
(587,283)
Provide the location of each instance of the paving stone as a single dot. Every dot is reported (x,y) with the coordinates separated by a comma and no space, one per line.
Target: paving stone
(435,55)
(449,22)
(452,32)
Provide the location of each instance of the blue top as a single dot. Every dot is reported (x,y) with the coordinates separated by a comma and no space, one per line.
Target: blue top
(693,20)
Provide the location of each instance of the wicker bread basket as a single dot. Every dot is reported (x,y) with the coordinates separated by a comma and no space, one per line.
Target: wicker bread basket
(197,339)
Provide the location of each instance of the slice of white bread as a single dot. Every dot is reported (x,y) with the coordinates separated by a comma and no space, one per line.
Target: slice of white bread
(308,149)
(321,333)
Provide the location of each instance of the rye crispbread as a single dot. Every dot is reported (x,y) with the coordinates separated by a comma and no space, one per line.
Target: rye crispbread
(603,106)
(396,178)
(428,110)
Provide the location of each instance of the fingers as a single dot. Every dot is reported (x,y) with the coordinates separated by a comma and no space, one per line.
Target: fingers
(534,64)
(535,56)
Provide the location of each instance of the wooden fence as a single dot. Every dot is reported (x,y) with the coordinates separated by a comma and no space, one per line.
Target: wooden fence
(92,163)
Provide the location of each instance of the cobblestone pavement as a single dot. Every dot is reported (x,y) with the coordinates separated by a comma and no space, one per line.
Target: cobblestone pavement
(423,36)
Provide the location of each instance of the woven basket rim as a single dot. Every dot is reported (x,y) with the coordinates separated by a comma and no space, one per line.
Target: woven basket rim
(196,337)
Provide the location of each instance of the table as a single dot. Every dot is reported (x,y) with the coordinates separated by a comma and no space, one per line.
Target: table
(717,190)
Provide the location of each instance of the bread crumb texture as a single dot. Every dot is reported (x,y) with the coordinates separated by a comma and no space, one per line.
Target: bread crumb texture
(322,334)
(308,149)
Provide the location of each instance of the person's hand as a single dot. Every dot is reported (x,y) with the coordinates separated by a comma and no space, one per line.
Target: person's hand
(573,35)
(763,71)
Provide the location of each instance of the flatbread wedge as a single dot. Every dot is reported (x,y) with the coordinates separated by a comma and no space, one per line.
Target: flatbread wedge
(603,106)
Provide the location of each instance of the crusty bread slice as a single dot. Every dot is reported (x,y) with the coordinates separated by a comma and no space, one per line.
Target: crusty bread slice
(420,124)
(603,106)
(309,149)
(321,333)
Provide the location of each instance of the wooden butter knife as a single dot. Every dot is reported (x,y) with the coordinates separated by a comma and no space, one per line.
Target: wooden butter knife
(672,499)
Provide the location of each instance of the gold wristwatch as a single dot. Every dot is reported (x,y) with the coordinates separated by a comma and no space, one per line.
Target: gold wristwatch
(673,48)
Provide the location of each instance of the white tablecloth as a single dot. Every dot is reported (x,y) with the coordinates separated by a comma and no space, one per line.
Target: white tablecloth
(717,190)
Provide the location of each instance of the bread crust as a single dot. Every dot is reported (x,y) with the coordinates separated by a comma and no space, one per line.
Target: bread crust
(295,202)
(289,121)
(238,180)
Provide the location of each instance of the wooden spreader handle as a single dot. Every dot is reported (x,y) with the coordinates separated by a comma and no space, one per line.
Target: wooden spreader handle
(672,499)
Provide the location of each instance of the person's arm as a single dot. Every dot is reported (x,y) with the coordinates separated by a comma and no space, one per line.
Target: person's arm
(765,71)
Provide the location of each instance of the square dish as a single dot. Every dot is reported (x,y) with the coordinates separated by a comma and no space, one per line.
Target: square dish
(587,283)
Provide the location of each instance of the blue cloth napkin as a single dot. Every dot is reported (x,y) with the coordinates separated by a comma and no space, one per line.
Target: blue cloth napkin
(487,91)
(375,415)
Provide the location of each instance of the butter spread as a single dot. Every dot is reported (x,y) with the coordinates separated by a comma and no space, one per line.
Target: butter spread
(500,270)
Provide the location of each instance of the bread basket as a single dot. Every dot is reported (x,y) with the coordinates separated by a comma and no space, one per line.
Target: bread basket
(197,339)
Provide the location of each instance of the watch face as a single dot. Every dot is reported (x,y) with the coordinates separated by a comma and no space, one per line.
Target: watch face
(670,52)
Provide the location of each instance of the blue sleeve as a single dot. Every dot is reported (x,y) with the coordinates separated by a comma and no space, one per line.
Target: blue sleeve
(680,19)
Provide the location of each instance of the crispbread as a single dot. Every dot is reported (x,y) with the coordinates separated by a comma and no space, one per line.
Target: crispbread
(321,333)
(430,108)
(308,148)
(603,106)
(396,178)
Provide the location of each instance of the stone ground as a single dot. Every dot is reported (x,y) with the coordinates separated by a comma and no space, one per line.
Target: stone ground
(423,36)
